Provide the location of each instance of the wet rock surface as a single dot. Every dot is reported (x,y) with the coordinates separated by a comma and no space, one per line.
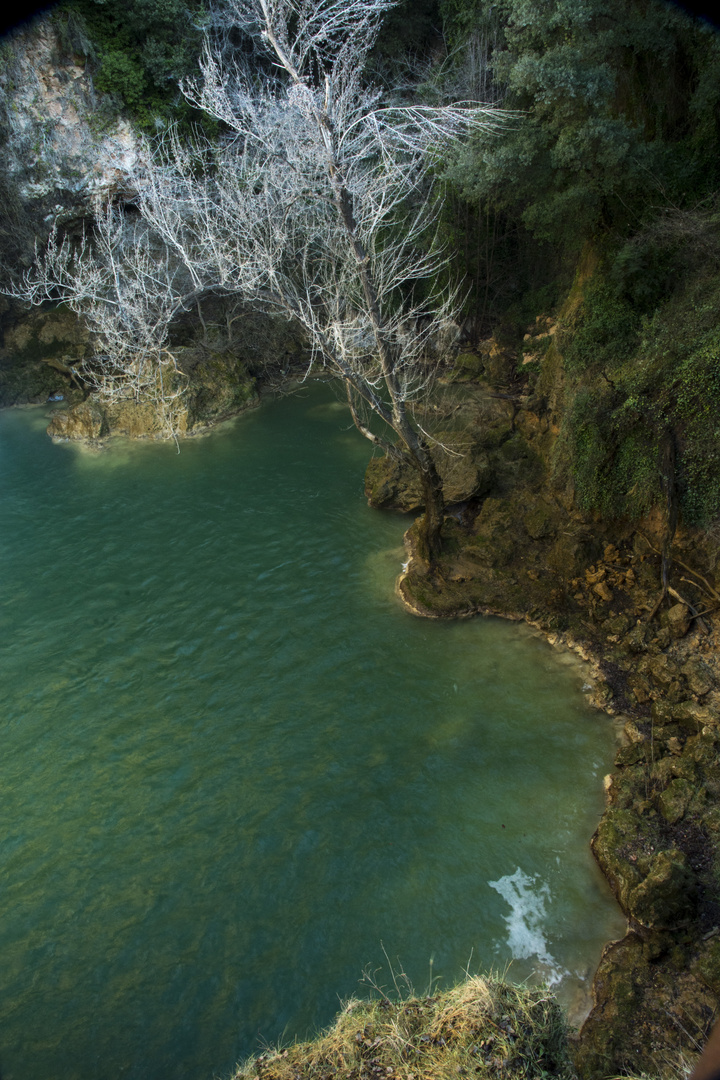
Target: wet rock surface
(525,551)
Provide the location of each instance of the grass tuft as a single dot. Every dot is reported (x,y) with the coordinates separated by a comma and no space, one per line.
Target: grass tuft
(481,1028)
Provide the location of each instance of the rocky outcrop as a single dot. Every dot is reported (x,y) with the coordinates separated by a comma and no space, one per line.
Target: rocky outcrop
(62,144)
(394,485)
(524,550)
(214,385)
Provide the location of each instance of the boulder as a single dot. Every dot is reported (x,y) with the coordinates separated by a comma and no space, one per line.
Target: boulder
(699,676)
(395,485)
(694,716)
(677,620)
(468,367)
(666,894)
(83,421)
(602,590)
(675,799)
(617,829)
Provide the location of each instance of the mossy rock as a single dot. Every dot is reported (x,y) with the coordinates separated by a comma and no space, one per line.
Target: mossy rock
(219,386)
(623,971)
(635,639)
(615,835)
(392,484)
(540,521)
(693,716)
(632,755)
(699,676)
(674,801)
(468,367)
(707,964)
(667,892)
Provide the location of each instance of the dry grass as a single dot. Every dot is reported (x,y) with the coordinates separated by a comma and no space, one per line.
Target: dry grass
(481,1028)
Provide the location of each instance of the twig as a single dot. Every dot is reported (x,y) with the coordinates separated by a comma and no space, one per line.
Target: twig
(663,594)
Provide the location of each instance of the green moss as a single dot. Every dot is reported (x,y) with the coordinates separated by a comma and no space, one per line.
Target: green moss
(468,367)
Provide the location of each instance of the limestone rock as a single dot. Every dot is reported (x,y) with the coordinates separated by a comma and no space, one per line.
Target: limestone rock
(665,894)
(616,625)
(661,712)
(635,638)
(618,827)
(633,732)
(694,716)
(677,620)
(623,971)
(661,669)
(699,676)
(395,484)
(539,521)
(602,590)
(56,145)
(639,687)
(83,421)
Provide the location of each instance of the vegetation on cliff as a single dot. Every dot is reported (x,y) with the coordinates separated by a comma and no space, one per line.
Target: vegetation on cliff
(483,1027)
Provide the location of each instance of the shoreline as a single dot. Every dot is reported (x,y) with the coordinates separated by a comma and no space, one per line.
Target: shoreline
(658,856)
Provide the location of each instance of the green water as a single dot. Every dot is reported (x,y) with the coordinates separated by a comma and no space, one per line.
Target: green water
(233,768)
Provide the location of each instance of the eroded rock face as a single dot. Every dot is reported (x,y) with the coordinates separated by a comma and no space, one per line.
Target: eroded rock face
(216,385)
(395,485)
(54,146)
(665,894)
(82,421)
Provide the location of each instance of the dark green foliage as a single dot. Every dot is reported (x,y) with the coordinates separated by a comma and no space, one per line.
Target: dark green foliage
(413,27)
(141,49)
(604,332)
(618,112)
(616,144)
(645,384)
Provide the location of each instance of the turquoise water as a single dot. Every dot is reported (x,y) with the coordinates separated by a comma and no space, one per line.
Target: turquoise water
(234,771)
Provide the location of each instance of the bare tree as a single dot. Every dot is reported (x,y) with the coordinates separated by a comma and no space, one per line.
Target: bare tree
(317,208)
(126,287)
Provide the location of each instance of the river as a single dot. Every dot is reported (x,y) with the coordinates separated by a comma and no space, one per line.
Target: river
(235,774)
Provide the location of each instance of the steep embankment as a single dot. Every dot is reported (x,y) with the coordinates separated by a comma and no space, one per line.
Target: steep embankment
(519,544)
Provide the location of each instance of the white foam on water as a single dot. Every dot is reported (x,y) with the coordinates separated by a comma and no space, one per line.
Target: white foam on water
(527,897)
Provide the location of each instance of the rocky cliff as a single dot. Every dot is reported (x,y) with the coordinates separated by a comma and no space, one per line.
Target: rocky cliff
(517,544)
